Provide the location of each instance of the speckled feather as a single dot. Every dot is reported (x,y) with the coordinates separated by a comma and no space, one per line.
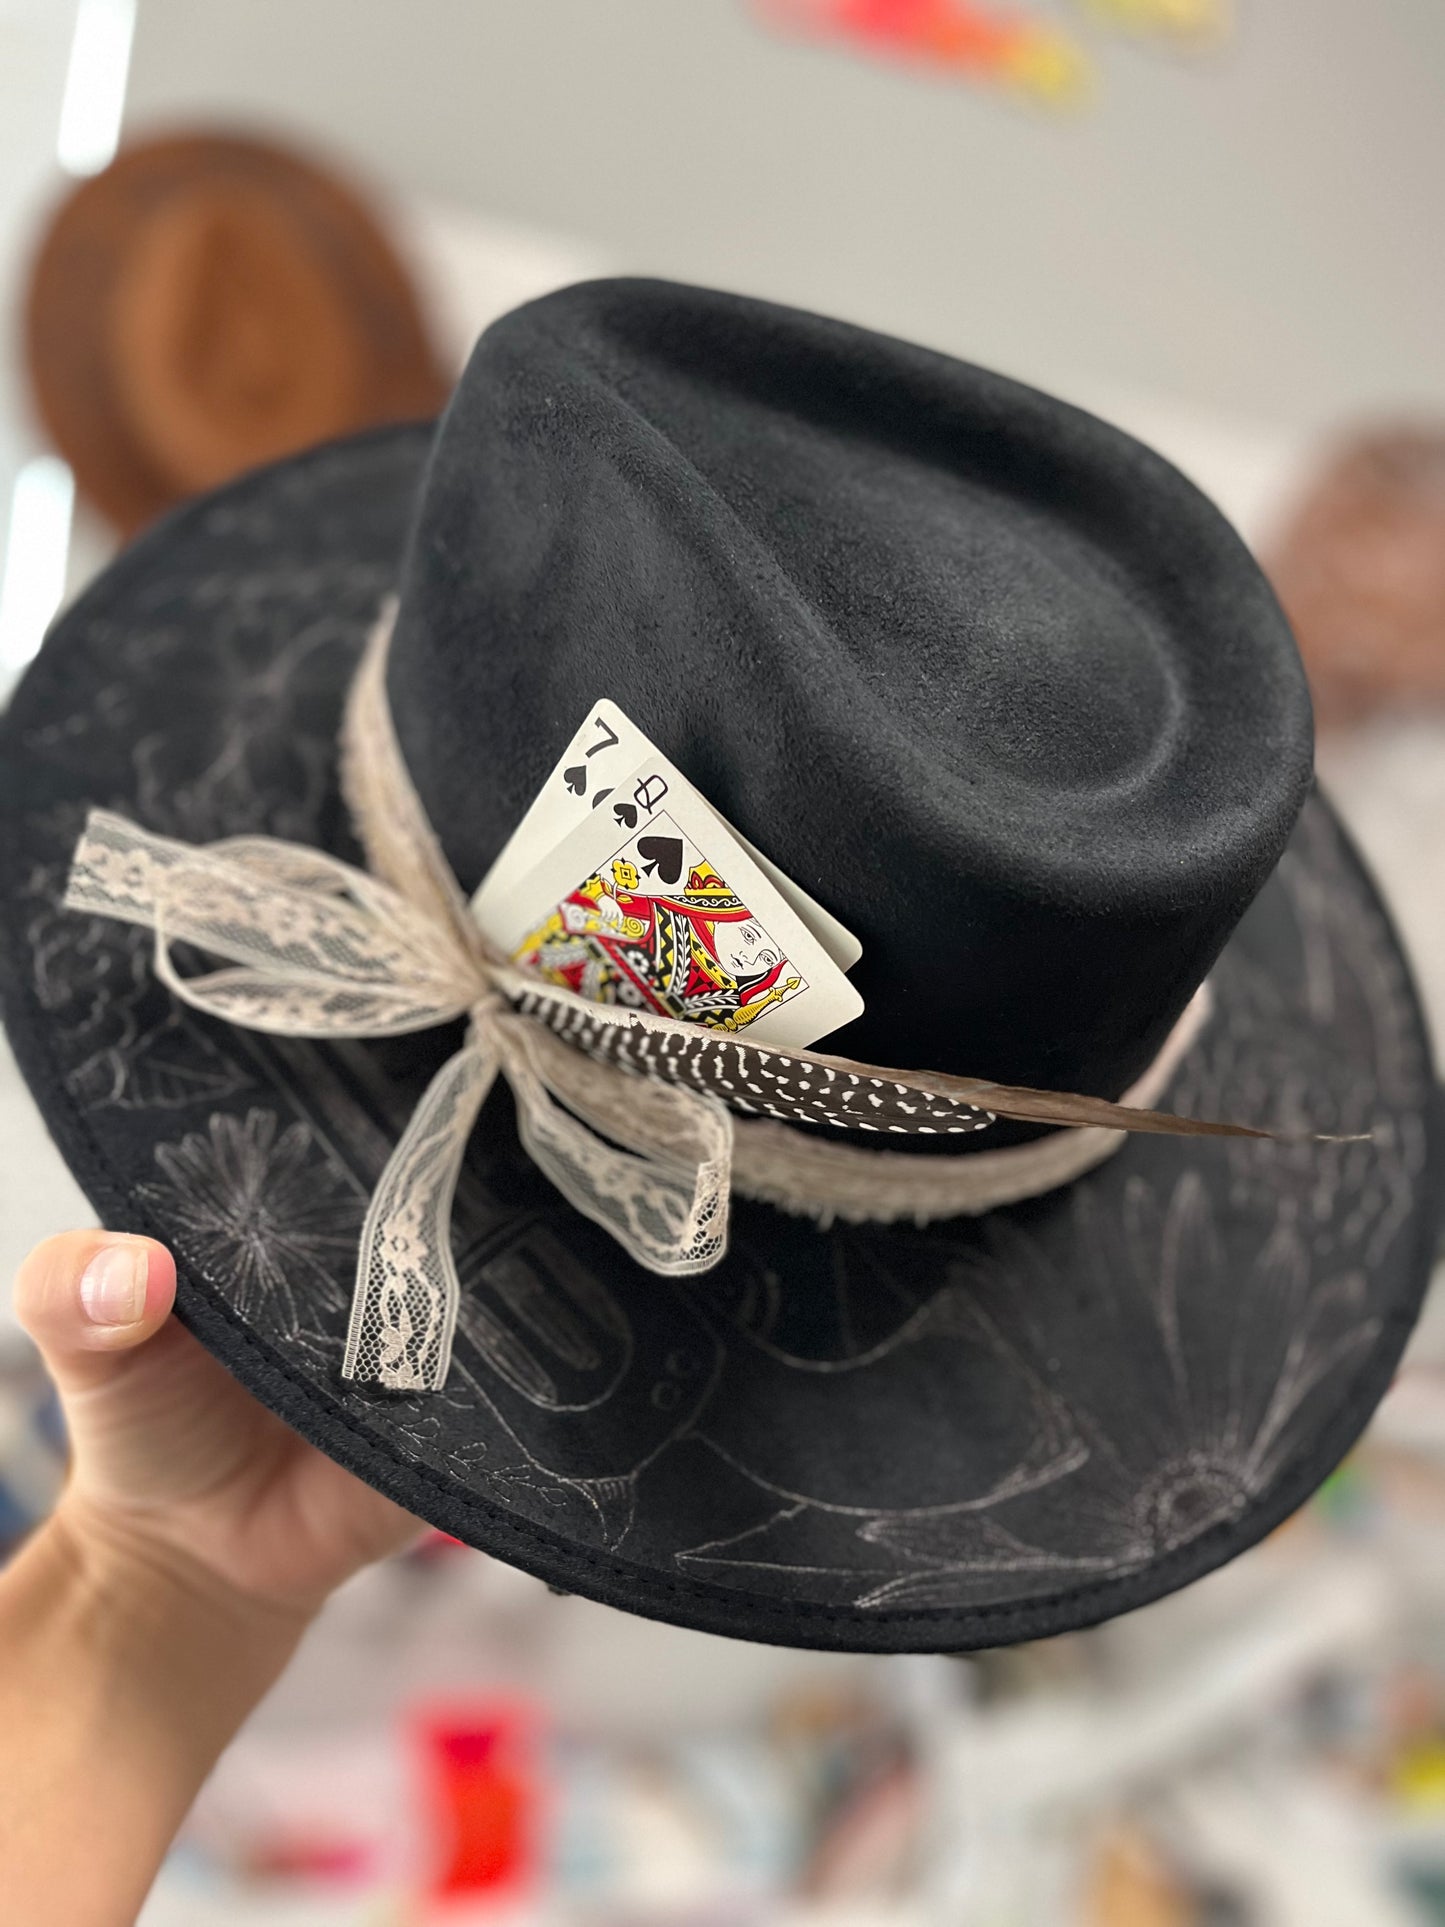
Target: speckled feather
(806,1087)
(757,1079)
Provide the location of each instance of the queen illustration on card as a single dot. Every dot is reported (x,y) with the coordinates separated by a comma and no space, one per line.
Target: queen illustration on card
(657,928)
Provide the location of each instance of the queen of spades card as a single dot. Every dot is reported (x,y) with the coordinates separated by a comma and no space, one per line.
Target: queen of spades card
(658,929)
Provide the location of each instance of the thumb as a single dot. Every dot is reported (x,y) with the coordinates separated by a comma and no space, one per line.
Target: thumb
(86,1296)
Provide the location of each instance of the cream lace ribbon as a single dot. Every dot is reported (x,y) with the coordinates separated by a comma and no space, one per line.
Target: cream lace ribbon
(316,948)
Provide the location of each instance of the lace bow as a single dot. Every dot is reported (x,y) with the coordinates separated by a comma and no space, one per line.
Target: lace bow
(316,948)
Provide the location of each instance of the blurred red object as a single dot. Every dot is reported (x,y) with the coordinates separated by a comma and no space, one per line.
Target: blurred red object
(1360,570)
(208,303)
(482,1785)
(944,29)
(320,1858)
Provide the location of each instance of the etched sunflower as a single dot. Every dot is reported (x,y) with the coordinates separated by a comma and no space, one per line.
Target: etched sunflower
(264,1208)
(1211,1413)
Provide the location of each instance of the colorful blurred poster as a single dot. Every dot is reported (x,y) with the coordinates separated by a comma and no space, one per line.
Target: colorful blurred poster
(1009,49)
(1016,49)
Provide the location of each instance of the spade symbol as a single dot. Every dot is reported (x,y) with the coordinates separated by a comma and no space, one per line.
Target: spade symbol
(576,779)
(626,814)
(662,854)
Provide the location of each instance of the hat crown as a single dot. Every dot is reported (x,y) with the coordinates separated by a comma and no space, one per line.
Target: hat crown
(988,678)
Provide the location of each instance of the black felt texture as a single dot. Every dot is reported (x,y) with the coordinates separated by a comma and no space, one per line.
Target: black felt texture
(988,677)
(872,1437)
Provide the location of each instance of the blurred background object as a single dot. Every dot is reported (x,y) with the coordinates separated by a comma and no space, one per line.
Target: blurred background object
(32,1440)
(1360,568)
(1026,54)
(63,70)
(1221,240)
(207,303)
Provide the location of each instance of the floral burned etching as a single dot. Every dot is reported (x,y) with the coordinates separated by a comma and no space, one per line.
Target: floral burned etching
(257,1206)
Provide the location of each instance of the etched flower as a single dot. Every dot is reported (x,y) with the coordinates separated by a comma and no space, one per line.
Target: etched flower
(256,757)
(122,1041)
(1225,1362)
(1218,1412)
(265,1211)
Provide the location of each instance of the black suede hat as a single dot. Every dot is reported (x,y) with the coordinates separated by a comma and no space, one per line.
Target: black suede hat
(1002,691)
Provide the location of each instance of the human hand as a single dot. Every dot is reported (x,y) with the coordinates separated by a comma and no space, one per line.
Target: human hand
(173,1461)
(194,1541)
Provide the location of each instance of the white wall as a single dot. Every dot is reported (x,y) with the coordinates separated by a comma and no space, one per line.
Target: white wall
(1259,232)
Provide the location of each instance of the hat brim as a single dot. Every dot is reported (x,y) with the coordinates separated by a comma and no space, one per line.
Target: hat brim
(866,1437)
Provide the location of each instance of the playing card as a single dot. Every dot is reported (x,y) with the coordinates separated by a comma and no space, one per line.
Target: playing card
(652,903)
(604,749)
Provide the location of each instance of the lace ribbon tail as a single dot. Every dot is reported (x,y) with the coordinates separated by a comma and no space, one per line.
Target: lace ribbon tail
(404,1308)
(316,947)
(664,1195)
